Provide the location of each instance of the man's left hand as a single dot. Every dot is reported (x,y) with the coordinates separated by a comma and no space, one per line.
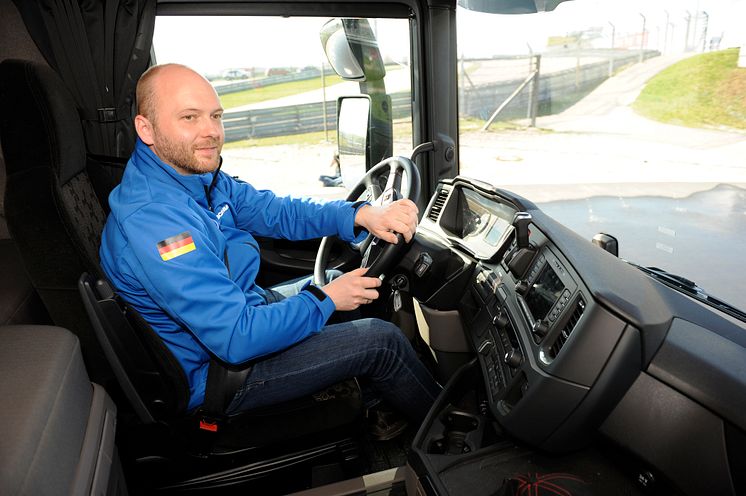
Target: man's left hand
(383,222)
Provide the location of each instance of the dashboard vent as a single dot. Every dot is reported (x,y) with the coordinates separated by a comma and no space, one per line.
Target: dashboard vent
(440,200)
(564,335)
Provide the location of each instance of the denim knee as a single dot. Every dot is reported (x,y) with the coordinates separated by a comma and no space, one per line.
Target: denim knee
(383,330)
(387,335)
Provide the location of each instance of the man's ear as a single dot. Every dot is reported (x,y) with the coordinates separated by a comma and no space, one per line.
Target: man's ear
(144,129)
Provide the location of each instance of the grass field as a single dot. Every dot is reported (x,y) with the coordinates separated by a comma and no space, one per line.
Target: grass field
(706,90)
(271,92)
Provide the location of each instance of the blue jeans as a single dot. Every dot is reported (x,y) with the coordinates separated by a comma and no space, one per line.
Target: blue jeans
(370,349)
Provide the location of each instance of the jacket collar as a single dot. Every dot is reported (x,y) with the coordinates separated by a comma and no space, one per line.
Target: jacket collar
(150,164)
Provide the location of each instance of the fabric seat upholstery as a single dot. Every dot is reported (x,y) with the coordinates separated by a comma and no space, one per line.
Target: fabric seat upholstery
(52,210)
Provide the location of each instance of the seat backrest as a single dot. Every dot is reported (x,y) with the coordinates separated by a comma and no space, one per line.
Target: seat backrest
(52,211)
(148,373)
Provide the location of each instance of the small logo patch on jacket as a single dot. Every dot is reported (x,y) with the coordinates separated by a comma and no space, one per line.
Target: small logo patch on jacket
(222,210)
(176,246)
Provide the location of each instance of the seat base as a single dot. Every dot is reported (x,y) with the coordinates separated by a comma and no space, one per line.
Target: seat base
(262,450)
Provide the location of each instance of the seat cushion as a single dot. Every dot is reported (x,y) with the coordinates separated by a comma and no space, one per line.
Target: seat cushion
(45,409)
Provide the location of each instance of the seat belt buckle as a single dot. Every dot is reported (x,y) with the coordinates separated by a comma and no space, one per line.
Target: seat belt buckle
(208,424)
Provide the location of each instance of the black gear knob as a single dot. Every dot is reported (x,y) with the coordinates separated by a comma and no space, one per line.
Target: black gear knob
(521,220)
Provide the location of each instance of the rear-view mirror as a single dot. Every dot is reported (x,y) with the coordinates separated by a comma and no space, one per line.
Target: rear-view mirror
(510,6)
(353,123)
(352,50)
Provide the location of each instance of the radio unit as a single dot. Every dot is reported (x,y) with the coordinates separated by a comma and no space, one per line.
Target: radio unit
(545,293)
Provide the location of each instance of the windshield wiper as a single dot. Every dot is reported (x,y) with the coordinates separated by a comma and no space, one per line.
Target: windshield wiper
(690,287)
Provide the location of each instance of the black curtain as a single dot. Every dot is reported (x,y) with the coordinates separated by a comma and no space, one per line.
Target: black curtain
(99,48)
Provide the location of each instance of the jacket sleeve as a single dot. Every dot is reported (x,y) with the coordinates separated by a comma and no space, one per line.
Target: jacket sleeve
(262,213)
(189,281)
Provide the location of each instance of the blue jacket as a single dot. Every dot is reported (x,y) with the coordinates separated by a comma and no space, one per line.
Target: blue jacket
(190,270)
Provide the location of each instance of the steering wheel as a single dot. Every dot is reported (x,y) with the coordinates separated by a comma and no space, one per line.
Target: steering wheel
(378,255)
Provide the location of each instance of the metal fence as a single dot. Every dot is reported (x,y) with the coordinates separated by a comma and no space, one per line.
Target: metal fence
(556,91)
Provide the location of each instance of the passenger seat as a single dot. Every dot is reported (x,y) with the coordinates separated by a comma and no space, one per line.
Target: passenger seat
(58,428)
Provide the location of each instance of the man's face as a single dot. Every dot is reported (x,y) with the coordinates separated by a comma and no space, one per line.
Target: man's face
(186,130)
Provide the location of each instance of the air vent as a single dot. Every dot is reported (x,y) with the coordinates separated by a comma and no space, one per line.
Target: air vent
(440,200)
(564,335)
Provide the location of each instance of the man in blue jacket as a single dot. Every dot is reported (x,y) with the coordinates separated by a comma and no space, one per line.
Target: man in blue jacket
(179,247)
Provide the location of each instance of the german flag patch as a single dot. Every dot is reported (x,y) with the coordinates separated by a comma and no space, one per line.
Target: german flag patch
(176,246)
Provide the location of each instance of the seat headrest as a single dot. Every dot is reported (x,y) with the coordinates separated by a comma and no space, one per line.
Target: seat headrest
(40,124)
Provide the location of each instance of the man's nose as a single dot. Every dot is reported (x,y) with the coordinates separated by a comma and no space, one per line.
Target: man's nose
(212,128)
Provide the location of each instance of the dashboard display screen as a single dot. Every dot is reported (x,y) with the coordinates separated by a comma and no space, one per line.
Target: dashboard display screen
(544,293)
(483,222)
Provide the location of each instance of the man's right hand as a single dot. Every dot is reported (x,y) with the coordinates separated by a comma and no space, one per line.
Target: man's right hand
(352,289)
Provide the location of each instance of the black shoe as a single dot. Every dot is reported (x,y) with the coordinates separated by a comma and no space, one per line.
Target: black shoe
(385,424)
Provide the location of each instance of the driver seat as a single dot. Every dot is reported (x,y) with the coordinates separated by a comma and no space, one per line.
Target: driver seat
(310,429)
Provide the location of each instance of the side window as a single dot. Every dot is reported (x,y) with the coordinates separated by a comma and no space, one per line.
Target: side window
(279,93)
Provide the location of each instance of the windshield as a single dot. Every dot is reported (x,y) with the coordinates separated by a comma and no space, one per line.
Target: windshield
(627,118)
(280,93)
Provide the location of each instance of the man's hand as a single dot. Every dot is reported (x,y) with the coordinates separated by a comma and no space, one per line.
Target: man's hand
(351,290)
(399,217)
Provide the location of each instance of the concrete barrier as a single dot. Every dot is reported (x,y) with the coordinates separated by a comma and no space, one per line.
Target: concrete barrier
(295,119)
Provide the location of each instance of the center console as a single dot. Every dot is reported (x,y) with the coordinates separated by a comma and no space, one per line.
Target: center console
(582,374)
(550,362)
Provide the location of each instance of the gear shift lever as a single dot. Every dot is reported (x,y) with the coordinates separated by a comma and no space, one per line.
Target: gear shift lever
(521,220)
(524,252)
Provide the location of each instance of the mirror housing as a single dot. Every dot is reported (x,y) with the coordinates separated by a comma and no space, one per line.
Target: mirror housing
(510,6)
(353,127)
(352,50)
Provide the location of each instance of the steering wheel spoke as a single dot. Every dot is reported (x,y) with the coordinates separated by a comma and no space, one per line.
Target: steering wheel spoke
(373,194)
(363,245)
(403,182)
(392,190)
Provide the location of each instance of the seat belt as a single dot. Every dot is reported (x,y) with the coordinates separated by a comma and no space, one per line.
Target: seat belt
(220,389)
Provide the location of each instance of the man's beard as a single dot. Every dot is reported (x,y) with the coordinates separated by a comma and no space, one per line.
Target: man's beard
(182,154)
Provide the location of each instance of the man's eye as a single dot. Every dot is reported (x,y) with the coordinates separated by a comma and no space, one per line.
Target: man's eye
(218,117)
(188,117)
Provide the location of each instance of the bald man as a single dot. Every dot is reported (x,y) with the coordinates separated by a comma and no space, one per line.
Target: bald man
(179,247)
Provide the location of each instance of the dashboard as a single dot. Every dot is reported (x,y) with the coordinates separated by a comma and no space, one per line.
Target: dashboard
(571,341)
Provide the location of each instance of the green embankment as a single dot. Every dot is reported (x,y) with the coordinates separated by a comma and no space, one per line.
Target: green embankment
(707,90)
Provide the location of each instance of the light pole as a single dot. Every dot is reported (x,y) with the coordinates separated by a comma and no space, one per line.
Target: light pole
(688,25)
(704,35)
(665,35)
(694,30)
(613,54)
(673,36)
(323,100)
(642,37)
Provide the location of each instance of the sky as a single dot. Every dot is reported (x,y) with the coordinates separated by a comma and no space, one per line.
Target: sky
(726,17)
(212,45)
